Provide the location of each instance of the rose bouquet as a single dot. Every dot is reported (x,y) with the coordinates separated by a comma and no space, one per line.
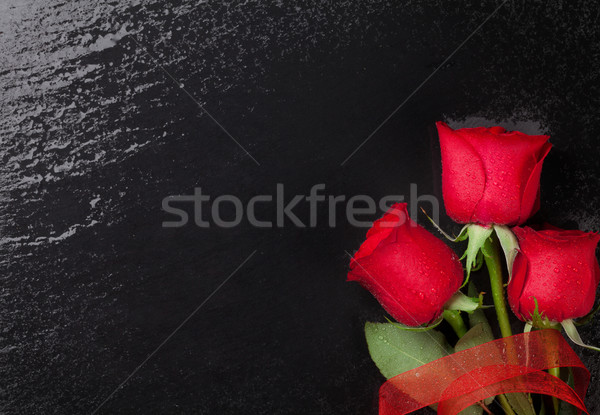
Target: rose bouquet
(491,184)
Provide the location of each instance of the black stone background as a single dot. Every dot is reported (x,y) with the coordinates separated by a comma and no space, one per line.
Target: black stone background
(90,289)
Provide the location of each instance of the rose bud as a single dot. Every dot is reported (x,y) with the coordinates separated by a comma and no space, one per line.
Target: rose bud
(490,175)
(408,270)
(556,268)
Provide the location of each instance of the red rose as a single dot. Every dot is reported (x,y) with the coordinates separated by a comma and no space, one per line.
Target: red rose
(490,175)
(410,272)
(559,269)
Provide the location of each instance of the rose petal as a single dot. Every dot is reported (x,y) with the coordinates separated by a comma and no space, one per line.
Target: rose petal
(530,198)
(463,174)
(382,228)
(561,274)
(391,280)
(515,287)
(509,160)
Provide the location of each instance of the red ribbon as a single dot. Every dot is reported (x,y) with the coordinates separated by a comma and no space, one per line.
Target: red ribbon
(508,365)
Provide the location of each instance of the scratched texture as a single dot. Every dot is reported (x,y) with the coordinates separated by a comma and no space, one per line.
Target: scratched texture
(94,134)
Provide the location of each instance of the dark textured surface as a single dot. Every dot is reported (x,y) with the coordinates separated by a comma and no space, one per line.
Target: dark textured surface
(94,135)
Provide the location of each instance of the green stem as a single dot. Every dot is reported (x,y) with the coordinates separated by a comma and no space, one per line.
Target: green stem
(505,405)
(492,259)
(555,371)
(457,323)
(455,320)
(494,266)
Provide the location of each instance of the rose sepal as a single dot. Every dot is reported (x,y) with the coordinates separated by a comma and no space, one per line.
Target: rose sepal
(573,334)
(510,246)
(477,235)
(539,321)
(462,235)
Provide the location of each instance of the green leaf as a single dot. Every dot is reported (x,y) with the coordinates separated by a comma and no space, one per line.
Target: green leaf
(510,246)
(520,403)
(477,335)
(478,317)
(472,410)
(480,334)
(433,325)
(477,236)
(396,351)
(565,407)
